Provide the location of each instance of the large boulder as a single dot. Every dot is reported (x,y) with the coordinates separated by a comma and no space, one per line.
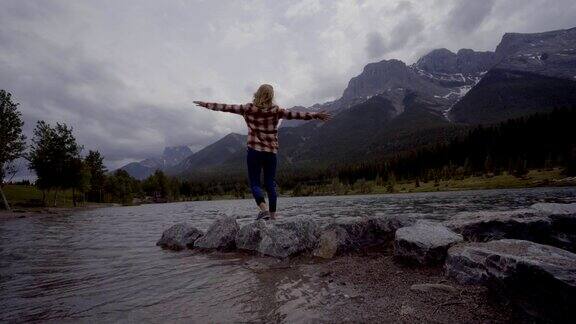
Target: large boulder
(250,235)
(355,233)
(179,236)
(563,218)
(424,243)
(539,278)
(524,224)
(288,237)
(221,235)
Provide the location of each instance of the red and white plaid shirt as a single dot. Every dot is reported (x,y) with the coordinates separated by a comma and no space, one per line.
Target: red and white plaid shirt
(262,122)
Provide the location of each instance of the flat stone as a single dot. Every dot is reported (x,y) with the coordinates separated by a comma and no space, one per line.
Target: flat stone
(539,278)
(424,242)
(221,235)
(179,236)
(525,224)
(555,208)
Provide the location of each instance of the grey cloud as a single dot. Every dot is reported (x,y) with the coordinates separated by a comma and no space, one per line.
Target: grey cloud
(468,15)
(113,81)
(375,45)
(407,30)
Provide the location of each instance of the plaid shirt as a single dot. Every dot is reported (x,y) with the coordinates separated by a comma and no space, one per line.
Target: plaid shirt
(262,122)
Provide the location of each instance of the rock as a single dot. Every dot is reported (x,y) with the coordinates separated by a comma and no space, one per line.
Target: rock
(221,235)
(179,236)
(563,218)
(525,224)
(355,233)
(406,310)
(250,235)
(539,278)
(429,287)
(556,209)
(424,242)
(288,237)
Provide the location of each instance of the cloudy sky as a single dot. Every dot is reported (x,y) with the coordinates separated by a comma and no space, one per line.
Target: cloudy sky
(124,73)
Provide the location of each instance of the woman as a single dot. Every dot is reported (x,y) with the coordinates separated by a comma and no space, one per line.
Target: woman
(262,117)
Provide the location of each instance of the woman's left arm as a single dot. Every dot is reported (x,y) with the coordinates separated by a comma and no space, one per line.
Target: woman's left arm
(235,109)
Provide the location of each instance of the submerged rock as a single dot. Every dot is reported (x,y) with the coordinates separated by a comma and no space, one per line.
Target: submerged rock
(221,235)
(539,278)
(424,242)
(355,233)
(524,224)
(179,236)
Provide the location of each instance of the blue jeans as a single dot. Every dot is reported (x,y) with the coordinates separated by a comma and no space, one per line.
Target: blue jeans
(258,161)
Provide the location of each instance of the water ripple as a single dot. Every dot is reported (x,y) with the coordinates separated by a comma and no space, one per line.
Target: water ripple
(103,266)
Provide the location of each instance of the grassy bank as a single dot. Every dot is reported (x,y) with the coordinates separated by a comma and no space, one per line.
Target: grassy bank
(534,178)
(30,196)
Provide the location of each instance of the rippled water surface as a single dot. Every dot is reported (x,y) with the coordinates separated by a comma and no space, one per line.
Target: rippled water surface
(103,266)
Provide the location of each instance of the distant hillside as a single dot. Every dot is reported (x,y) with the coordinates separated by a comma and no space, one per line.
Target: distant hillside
(171,156)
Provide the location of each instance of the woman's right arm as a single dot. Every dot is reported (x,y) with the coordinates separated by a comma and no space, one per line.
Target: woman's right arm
(235,109)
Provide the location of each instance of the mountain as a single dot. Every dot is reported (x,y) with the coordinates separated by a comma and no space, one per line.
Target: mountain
(391,107)
(213,155)
(171,156)
(533,73)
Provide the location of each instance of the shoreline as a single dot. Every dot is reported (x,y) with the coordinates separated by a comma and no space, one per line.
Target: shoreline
(24,212)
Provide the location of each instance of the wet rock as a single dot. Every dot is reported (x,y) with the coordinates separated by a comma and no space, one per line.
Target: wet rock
(430,287)
(525,224)
(355,233)
(221,235)
(556,209)
(424,242)
(288,237)
(250,235)
(539,278)
(179,236)
(563,218)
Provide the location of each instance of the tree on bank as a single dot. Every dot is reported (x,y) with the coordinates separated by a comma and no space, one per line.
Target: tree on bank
(54,156)
(95,164)
(12,141)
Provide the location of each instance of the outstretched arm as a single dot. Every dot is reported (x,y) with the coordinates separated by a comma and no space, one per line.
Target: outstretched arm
(235,109)
(288,114)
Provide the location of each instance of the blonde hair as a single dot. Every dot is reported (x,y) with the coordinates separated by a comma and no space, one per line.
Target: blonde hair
(264,96)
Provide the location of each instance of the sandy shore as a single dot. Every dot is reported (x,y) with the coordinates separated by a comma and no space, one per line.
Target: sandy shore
(381,290)
(372,287)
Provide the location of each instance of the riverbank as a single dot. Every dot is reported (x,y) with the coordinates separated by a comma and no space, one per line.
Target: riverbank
(23,212)
(374,288)
(533,179)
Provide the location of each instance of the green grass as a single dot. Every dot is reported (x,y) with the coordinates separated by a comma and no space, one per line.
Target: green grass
(534,178)
(30,196)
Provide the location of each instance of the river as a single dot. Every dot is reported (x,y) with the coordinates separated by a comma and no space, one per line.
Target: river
(102,265)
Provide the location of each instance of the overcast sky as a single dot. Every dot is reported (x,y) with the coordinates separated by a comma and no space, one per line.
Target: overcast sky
(124,73)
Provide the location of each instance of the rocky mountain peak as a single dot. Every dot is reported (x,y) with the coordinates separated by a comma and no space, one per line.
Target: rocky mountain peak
(465,61)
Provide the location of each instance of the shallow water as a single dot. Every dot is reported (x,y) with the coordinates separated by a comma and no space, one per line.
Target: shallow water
(103,266)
